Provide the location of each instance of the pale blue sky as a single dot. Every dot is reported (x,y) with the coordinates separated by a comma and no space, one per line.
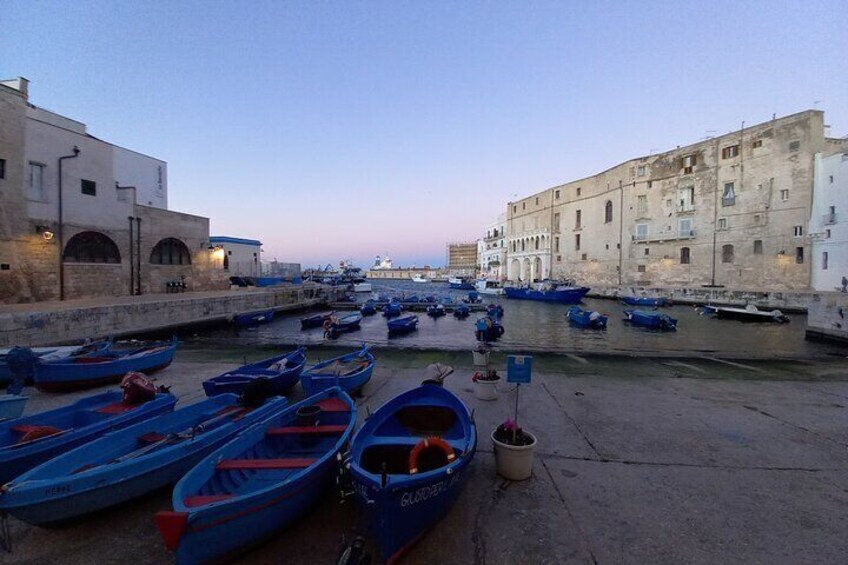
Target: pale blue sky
(349,129)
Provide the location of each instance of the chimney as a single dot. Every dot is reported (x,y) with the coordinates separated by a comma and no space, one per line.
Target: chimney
(20,84)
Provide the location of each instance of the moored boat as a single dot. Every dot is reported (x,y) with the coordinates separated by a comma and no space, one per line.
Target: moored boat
(436,310)
(488,329)
(281,371)
(651,301)
(362,287)
(368,309)
(254,318)
(402,325)
(12,406)
(338,325)
(54,354)
(408,464)
(749,313)
(130,462)
(392,309)
(29,441)
(419,278)
(586,318)
(260,482)
(315,321)
(462,311)
(549,291)
(350,372)
(488,286)
(102,368)
(460,283)
(494,310)
(654,320)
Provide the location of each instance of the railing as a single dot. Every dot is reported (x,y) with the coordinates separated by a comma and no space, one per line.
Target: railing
(689,207)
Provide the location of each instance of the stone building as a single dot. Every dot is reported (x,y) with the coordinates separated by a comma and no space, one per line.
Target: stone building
(463,259)
(82,217)
(729,211)
(237,256)
(492,249)
(828,228)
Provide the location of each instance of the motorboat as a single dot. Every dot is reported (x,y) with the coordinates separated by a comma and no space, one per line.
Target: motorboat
(488,286)
(749,313)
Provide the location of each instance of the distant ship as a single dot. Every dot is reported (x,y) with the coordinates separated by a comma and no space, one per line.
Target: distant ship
(549,291)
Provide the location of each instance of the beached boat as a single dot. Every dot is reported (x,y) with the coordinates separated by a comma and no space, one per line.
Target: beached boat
(103,368)
(408,464)
(460,283)
(315,321)
(368,309)
(281,371)
(461,311)
(54,354)
(488,329)
(654,320)
(130,462)
(12,406)
(749,313)
(488,286)
(336,326)
(651,301)
(403,325)
(436,311)
(549,291)
(586,318)
(32,440)
(260,482)
(392,309)
(494,310)
(254,318)
(350,372)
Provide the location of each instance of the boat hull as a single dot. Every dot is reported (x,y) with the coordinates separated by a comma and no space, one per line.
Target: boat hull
(743,315)
(12,406)
(281,381)
(321,377)
(645,301)
(652,320)
(586,318)
(571,295)
(254,318)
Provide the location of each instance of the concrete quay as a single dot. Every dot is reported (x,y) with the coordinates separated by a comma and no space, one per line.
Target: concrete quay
(640,460)
(48,323)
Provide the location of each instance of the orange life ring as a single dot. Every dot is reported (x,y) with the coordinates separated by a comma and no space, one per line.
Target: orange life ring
(425,443)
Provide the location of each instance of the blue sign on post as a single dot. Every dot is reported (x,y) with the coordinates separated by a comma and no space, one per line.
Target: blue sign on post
(519,368)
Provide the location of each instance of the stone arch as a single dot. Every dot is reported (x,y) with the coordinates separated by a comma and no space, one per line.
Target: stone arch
(170,251)
(91,247)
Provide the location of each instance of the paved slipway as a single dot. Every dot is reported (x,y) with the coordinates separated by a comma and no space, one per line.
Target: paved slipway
(640,460)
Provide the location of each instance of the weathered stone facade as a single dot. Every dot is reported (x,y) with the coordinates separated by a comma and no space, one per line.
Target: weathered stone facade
(729,211)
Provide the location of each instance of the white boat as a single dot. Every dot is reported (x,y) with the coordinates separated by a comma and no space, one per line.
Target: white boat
(419,278)
(486,286)
(362,287)
(749,313)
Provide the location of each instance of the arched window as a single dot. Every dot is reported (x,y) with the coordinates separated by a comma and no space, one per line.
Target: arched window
(170,251)
(91,247)
(522,245)
(727,253)
(684,255)
(537,242)
(608,212)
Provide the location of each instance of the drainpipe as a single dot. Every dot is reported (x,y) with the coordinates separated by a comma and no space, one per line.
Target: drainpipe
(132,260)
(138,254)
(76,153)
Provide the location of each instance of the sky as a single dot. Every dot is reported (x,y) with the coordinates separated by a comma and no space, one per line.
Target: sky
(344,130)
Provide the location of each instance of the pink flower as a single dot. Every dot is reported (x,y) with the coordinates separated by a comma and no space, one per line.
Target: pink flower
(509,425)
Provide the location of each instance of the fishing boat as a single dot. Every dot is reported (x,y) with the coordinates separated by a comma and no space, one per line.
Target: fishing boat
(32,440)
(315,321)
(336,326)
(586,318)
(392,309)
(749,313)
(103,368)
(350,372)
(403,325)
(254,318)
(436,311)
(362,287)
(654,320)
(650,301)
(130,462)
(494,310)
(281,371)
(260,482)
(462,311)
(488,286)
(420,278)
(488,329)
(12,406)
(54,354)
(460,283)
(549,291)
(368,309)
(408,464)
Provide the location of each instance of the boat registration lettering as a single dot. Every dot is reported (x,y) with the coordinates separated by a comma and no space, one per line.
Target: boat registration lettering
(425,493)
(57,490)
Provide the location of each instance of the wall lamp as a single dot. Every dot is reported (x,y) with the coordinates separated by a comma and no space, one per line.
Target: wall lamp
(782,252)
(45,232)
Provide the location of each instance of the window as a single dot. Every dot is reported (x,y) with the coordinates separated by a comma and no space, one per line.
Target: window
(689,162)
(641,232)
(578,191)
(757,219)
(91,247)
(608,212)
(556,221)
(686,199)
(727,253)
(799,255)
(795,146)
(577,242)
(36,182)
(684,255)
(824,260)
(831,177)
(641,171)
(523,205)
(757,143)
(88,187)
(537,201)
(730,152)
(722,223)
(522,245)
(3,169)
(584,257)
(556,195)
(647,251)
(170,251)
(537,242)
(728,198)
(827,234)
(556,245)
(685,226)
(514,209)
(578,222)
(784,194)
(798,231)
(559,258)
(641,268)
(642,206)
(758,247)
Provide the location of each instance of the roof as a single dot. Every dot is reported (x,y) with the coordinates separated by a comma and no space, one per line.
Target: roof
(227,239)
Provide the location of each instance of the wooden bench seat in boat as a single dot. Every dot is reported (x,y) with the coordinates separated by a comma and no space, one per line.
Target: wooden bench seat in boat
(312,430)
(30,432)
(287,463)
(200,500)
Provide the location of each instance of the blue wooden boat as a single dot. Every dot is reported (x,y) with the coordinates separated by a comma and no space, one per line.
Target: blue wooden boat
(12,406)
(350,372)
(392,309)
(56,353)
(315,321)
(462,311)
(549,292)
(254,318)
(408,464)
(473,298)
(403,325)
(343,324)
(282,372)
(436,311)
(586,318)
(488,329)
(650,301)
(654,320)
(260,482)
(413,298)
(104,368)
(130,462)
(494,310)
(32,440)
(368,309)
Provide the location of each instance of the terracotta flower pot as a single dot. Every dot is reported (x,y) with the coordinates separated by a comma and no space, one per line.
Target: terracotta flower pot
(514,462)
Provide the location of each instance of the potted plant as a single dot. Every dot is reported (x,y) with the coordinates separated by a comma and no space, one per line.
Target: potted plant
(481,355)
(513,451)
(486,384)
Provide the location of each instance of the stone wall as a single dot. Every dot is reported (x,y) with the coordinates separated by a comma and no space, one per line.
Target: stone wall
(13,235)
(827,317)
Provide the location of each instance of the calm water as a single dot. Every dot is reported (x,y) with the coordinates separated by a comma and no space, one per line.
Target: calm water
(542,326)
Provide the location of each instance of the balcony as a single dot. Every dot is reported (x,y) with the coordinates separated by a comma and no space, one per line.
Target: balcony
(829,219)
(728,200)
(685,207)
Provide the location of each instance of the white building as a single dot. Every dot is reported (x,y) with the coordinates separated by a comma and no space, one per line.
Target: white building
(237,256)
(493,250)
(829,222)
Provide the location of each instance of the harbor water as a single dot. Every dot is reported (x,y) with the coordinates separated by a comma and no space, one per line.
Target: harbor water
(538,326)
